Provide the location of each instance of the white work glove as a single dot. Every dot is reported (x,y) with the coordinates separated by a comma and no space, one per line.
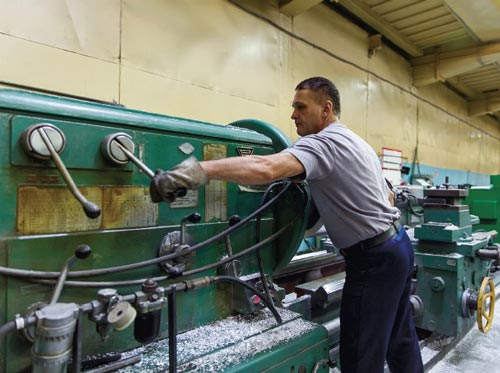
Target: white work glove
(168,185)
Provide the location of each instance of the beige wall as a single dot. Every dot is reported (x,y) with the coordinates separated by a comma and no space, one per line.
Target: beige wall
(213,61)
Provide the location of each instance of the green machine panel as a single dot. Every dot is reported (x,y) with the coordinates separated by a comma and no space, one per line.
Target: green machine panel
(47,235)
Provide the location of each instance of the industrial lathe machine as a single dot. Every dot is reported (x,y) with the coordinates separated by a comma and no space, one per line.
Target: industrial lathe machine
(93,273)
(452,265)
(94,277)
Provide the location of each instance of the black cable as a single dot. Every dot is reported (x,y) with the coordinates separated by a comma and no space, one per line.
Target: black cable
(266,301)
(243,252)
(97,284)
(260,264)
(259,256)
(127,267)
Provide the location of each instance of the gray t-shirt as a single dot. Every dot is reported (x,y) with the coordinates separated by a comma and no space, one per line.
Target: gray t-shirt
(347,185)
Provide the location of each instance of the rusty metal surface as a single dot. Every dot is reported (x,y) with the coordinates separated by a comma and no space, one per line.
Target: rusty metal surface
(52,209)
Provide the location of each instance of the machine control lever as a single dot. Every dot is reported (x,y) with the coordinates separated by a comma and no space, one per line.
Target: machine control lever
(118,148)
(192,218)
(81,252)
(177,242)
(46,141)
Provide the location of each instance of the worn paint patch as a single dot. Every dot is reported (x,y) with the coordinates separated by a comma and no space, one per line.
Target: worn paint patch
(52,209)
(42,209)
(127,207)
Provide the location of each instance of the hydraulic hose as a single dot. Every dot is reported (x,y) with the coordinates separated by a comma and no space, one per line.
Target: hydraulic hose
(7,328)
(97,284)
(259,257)
(243,252)
(13,325)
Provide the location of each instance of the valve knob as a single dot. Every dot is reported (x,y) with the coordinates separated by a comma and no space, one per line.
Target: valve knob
(194,217)
(235,219)
(83,251)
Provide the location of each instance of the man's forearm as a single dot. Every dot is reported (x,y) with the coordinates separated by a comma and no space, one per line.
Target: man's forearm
(253,169)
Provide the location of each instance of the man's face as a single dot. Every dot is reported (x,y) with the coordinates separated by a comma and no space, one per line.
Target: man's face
(307,113)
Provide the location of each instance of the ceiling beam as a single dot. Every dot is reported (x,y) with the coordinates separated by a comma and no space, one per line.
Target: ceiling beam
(363,11)
(295,7)
(441,66)
(483,106)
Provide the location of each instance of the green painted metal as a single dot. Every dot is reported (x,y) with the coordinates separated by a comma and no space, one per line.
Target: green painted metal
(305,352)
(158,140)
(443,232)
(456,215)
(279,139)
(485,203)
(447,265)
(22,101)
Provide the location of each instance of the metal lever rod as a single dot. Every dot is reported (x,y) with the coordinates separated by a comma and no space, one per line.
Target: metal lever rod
(90,208)
(81,252)
(135,160)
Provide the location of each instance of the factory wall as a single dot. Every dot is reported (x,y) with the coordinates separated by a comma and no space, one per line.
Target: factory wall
(219,61)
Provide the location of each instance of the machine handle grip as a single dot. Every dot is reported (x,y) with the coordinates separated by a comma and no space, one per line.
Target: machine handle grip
(90,208)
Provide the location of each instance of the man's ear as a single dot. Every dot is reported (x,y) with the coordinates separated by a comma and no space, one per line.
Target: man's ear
(327,108)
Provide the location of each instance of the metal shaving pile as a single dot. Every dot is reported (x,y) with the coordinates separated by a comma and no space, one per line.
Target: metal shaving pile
(222,344)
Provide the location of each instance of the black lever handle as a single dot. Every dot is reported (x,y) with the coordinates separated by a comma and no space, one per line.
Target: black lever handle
(81,252)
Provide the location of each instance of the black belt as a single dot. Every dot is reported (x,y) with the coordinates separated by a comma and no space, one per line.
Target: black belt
(374,241)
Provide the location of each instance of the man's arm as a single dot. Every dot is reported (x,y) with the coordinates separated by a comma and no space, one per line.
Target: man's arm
(247,170)
(253,169)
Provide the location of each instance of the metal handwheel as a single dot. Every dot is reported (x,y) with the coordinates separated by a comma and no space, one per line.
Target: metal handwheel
(486,309)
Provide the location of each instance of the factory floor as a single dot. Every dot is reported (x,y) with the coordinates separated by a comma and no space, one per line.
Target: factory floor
(476,352)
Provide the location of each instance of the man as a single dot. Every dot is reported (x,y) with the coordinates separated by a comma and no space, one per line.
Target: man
(351,195)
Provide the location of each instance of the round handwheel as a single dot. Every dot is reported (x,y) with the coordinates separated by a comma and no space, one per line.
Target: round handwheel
(486,305)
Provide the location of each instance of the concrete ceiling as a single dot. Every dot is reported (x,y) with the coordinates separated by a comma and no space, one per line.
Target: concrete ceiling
(456,42)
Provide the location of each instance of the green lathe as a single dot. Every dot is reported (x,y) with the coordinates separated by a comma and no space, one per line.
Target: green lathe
(453,289)
(92,273)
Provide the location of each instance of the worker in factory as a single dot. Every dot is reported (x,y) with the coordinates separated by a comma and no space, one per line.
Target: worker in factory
(347,185)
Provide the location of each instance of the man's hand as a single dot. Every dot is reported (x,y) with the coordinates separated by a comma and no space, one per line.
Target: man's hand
(186,175)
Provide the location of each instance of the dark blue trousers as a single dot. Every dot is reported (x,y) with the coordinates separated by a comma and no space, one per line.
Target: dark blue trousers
(376,324)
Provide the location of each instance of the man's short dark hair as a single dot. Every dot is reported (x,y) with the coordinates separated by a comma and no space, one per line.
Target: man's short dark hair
(324,89)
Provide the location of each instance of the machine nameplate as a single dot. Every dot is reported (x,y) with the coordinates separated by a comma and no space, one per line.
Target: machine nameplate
(53,209)
(189,200)
(216,190)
